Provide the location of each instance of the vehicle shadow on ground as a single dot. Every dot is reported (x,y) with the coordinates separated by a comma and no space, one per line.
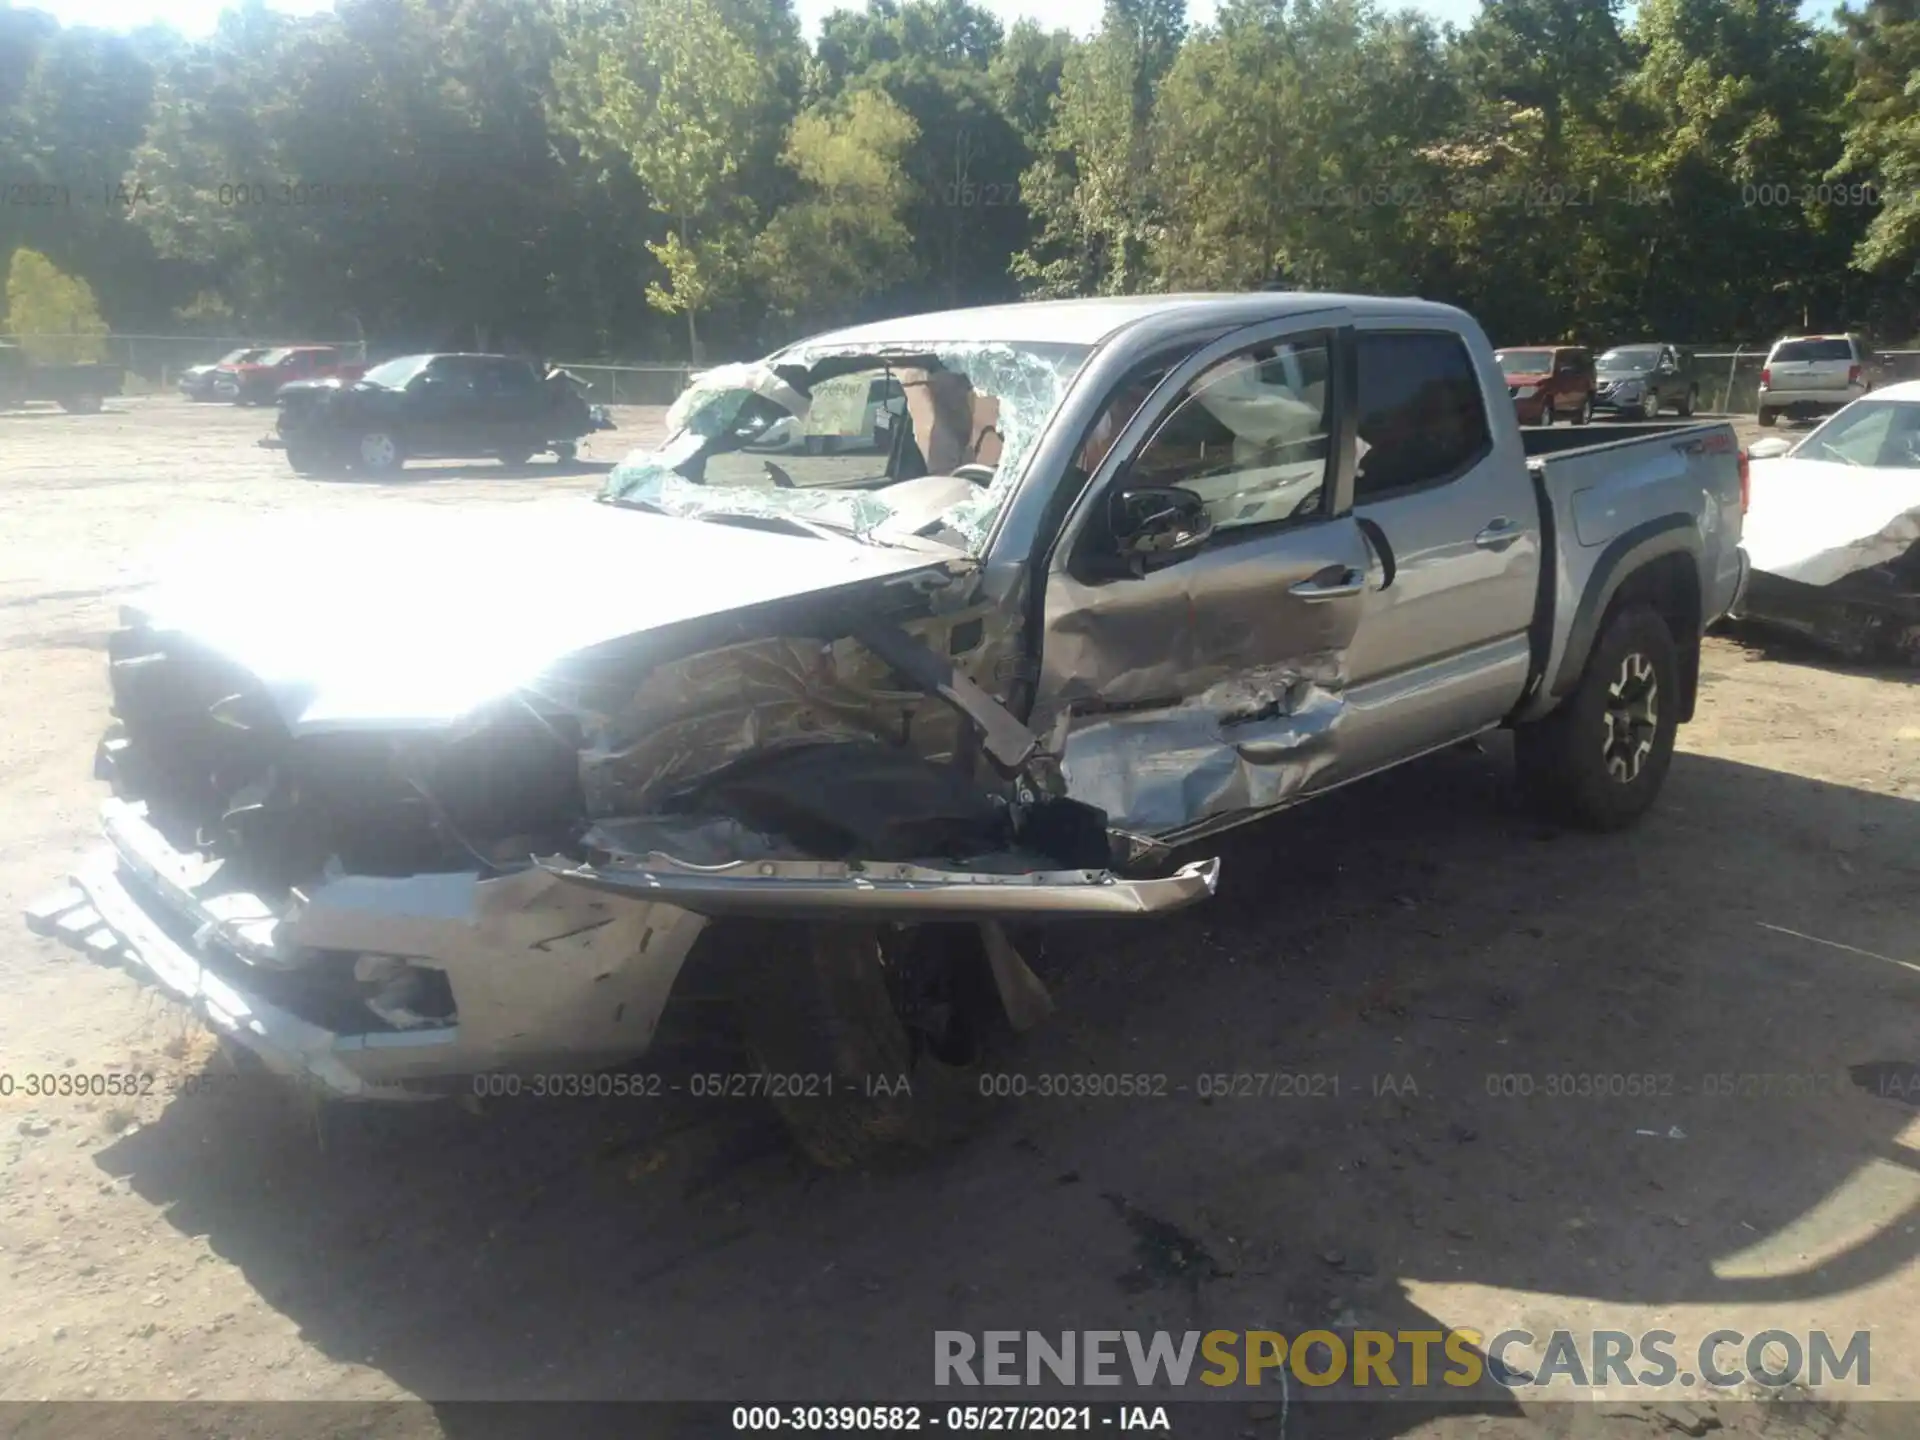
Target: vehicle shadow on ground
(1425,974)
(422,470)
(1762,643)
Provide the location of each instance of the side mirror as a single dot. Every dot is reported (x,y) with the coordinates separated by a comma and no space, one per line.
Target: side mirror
(1769,448)
(1154,520)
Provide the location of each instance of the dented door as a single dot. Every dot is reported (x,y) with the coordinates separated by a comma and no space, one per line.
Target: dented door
(1196,688)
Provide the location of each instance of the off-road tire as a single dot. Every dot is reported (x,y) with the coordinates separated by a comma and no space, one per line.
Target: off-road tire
(1599,759)
(1767,418)
(814,1001)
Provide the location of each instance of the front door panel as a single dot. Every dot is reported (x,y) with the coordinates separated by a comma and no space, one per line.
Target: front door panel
(1210,686)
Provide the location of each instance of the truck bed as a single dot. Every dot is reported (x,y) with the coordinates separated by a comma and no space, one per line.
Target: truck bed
(1610,496)
(1555,440)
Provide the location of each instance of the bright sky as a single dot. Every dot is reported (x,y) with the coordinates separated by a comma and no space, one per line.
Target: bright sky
(196,17)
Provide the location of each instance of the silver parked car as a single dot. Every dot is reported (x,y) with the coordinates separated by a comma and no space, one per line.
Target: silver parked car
(1813,375)
(398,804)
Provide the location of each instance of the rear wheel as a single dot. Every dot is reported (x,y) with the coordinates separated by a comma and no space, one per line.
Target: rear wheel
(1691,403)
(566,452)
(1598,761)
(81,404)
(514,459)
(304,459)
(1767,417)
(1546,410)
(1585,413)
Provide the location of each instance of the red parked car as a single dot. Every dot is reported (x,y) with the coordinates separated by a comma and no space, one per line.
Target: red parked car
(256,382)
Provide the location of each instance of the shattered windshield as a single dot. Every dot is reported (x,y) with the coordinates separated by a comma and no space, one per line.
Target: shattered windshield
(882,445)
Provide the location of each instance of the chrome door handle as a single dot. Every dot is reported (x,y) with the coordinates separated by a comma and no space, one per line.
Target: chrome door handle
(1498,535)
(1350,582)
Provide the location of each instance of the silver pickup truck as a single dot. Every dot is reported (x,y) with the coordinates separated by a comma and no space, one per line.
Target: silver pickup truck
(450,799)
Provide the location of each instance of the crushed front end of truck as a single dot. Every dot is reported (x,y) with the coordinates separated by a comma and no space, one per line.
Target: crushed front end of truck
(473,813)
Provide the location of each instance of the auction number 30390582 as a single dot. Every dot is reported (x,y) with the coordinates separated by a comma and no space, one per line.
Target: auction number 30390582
(964,1419)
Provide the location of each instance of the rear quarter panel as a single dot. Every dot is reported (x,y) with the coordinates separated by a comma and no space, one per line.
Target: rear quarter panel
(1618,505)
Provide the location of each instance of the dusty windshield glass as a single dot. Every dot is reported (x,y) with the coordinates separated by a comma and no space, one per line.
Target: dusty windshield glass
(1524,362)
(1640,357)
(394,374)
(920,441)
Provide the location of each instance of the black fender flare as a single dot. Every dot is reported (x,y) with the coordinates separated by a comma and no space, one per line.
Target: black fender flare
(1626,554)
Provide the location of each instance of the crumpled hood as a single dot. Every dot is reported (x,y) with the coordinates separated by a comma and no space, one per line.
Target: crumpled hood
(1817,521)
(373,619)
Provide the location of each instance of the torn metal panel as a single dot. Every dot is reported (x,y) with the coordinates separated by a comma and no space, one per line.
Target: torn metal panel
(1245,744)
(1869,615)
(688,718)
(539,971)
(812,889)
(1004,738)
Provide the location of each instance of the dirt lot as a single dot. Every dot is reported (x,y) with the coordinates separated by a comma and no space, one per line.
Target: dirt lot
(1415,942)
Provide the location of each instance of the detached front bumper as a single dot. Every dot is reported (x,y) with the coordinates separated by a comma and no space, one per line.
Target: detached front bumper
(559,966)
(543,974)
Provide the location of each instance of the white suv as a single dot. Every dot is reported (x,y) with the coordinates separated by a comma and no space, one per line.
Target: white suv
(1813,375)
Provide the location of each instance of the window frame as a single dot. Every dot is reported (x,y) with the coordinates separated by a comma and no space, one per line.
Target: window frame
(1461,469)
(1084,530)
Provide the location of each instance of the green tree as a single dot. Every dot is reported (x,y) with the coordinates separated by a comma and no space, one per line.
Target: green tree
(55,314)
(1882,51)
(684,92)
(844,239)
(1317,110)
(1090,193)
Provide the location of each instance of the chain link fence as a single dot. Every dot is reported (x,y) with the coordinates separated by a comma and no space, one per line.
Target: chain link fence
(151,363)
(1728,375)
(631,384)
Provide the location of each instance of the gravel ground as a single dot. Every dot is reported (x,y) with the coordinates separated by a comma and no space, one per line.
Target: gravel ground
(1415,942)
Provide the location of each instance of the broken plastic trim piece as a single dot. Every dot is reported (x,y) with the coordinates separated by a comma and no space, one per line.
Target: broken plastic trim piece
(811,889)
